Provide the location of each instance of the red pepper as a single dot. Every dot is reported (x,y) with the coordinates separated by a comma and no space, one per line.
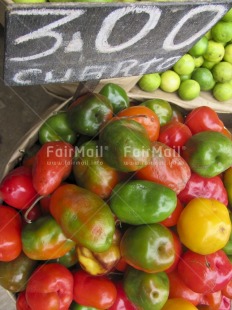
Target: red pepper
(227,290)
(122,302)
(178,289)
(225,303)
(44,205)
(175,135)
(21,302)
(198,186)
(213,300)
(33,214)
(50,287)
(53,164)
(91,291)
(121,265)
(10,237)
(174,216)
(17,190)
(205,273)
(202,119)
(166,167)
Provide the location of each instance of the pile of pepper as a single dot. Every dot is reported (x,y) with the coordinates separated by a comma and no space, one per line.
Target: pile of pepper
(120,205)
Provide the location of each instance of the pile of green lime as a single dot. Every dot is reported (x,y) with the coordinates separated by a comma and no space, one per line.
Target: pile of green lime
(206,67)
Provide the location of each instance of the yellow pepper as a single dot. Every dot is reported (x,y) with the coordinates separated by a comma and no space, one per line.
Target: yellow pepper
(204,225)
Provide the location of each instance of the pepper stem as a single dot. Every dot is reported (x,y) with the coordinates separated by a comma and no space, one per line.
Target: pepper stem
(30,208)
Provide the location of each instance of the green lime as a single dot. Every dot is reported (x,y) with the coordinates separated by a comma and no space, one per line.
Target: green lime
(189,90)
(222,91)
(228,16)
(198,61)
(209,64)
(170,81)
(215,51)
(222,72)
(199,48)
(185,65)
(184,77)
(228,53)
(222,32)
(208,35)
(150,82)
(204,77)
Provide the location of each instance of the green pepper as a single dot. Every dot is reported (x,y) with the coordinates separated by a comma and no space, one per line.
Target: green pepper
(83,216)
(44,239)
(208,153)
(69,259)
(57,128)
(228,247)
(91,171)
(142,202)
(161,107)
(14,274)
(227,180)
(146,291)
(76,306)
(125,145)
(116,95)
(90,114)
(148,247)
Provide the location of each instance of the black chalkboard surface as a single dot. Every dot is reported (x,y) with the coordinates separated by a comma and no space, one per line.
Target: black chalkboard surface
(61,43)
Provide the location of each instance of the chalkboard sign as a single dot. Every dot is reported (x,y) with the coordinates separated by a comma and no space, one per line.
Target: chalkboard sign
(77,42)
